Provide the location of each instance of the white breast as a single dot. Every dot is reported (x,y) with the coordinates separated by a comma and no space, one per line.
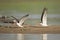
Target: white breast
(19,25)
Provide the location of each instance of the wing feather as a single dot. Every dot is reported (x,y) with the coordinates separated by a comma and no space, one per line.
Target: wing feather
(15,18)
(23,19)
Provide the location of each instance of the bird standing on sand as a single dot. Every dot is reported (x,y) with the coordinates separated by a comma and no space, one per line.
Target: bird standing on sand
(21,21)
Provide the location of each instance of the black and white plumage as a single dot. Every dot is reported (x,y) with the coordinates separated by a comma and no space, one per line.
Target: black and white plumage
(21,21)
(44,17)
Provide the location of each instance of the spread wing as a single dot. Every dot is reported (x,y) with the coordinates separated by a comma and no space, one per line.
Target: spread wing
(44,15)
(15,18)
(23,19)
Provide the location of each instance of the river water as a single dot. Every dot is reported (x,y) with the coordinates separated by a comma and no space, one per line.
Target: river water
(53,19)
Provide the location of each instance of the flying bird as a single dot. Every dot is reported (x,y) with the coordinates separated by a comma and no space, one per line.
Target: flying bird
(44,17)
(21,21)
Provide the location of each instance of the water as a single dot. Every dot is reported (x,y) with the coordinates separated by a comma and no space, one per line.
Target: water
(29,37)
(53,19)
(8,37)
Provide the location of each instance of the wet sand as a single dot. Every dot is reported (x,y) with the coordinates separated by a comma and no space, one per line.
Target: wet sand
(31,29)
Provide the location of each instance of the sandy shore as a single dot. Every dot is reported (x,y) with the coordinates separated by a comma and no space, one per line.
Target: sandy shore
(31,29)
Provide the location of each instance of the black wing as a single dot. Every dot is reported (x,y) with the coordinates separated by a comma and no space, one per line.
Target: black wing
(23,19)
(43,14)
(15,18)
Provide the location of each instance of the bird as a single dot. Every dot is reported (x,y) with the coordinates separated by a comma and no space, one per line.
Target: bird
(21,21)
(44,17)
(43,21)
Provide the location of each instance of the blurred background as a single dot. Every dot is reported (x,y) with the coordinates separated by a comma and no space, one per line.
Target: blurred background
(18,8)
